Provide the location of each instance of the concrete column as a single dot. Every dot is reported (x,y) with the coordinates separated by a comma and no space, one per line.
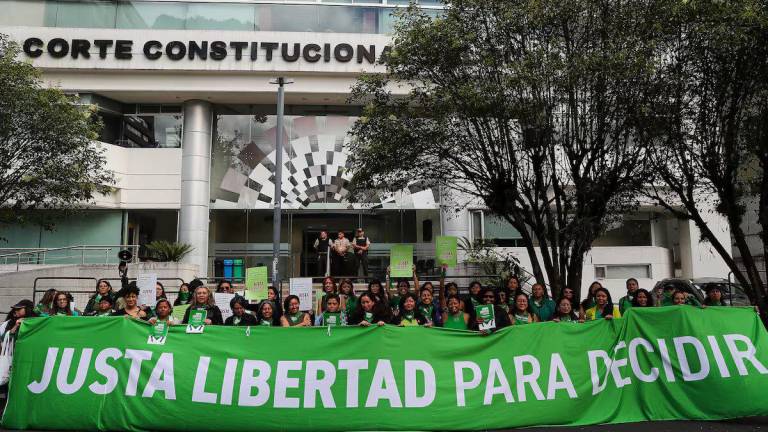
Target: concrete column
(195,179)
(698,258)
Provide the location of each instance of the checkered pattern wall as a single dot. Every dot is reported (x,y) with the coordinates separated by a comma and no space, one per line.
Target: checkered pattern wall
(315,170)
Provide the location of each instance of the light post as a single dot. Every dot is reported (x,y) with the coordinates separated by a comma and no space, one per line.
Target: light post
(278,200)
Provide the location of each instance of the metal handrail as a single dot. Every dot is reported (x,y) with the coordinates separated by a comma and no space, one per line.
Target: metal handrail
(81,248)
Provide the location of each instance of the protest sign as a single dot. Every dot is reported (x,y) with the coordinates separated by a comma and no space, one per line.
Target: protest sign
(302,288)
(401,261)
(147,285)
(222,302)
(256,283)
(446,250)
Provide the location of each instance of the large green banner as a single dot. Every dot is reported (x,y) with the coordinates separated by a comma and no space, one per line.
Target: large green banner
(656,363)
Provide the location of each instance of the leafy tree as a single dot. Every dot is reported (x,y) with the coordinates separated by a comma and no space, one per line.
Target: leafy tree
(530,107)
(47,159)
(710,133)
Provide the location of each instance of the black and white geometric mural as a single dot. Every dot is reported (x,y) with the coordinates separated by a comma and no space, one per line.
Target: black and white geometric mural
(315,167)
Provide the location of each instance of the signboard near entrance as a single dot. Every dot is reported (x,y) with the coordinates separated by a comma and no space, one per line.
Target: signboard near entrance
(401,261)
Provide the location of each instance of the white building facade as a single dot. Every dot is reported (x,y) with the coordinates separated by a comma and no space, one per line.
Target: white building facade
(183,88)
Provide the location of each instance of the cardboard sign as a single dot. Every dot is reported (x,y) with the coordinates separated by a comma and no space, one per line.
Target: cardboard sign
(302,288)
(196,323)
(147,285)
(401,261)
(446,248)
(488,315)
(179,311)
(158,334)
(256,283)
(222,301)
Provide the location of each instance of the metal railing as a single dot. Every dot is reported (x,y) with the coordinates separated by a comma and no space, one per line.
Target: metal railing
(79,254)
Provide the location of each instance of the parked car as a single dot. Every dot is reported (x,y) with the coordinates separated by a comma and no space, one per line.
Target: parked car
(698,287)
(735,296)
(684,285)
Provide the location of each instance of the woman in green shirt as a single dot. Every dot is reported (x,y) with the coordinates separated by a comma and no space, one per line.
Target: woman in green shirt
(292,316)
(454,316)
(540,303)
(522,313)
(410,315)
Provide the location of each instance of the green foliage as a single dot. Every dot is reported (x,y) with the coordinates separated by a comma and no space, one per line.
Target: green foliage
(709,136)
(533,108)
(491,261)
(166,251)
(47,158)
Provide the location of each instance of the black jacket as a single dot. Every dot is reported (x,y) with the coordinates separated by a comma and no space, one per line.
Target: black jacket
(380,313)
(245,320)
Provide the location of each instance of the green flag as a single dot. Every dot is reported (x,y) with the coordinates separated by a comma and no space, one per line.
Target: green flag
(256,283)
(445,251)
(401,261)
(660,363)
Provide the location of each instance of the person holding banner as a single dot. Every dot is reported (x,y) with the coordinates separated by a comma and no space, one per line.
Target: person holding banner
(589,301)
(266,315)
(643,298)
(183,297)
(19,311)
(490,298)
(410,315)
(522,312)
(369,311)
(163,310)
(202,299)
(454,316)
(603,308)
(293,317)
(565,312)
(45,306)
(333,316)
(62,305)
(430,307)
(103,289)
(131,308)
(240,316)
(541,304)
(104,307)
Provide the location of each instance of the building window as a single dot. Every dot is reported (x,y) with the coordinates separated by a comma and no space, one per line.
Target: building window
(623,271)
(493,229)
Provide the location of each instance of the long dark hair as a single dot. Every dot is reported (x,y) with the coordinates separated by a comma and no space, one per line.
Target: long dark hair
(379,309)
(560,315)
(647,295)
(591,294)
(287,303)
(608,308)
(29,311)
(68,309)
(381,297)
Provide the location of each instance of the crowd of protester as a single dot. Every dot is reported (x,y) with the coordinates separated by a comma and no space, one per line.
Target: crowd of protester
(391,302)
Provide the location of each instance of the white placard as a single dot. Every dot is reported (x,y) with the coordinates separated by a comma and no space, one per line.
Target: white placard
(222,301)
(147,285)
(302,288)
